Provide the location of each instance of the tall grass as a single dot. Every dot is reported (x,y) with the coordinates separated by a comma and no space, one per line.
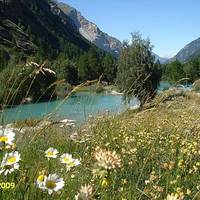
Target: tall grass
(151,154)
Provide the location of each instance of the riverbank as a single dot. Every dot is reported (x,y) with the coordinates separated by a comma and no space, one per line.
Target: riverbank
(151,154)
(80,107)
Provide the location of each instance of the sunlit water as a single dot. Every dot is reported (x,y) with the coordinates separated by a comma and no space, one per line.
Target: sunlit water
(78,107)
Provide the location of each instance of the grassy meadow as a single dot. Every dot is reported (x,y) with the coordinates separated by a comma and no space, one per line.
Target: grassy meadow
(148,154)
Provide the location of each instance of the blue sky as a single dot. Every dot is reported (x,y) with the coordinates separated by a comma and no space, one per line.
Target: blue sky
(170,24)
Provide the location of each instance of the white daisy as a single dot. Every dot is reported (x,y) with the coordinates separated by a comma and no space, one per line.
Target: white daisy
(51,153)
(6,137)
(53,183)
(40,181)
(69,161)
(10,162)
(66,158)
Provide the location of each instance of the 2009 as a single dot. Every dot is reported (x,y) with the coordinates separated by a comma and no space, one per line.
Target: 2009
(7,185)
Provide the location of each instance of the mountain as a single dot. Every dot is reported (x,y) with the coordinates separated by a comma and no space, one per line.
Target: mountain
(39,31)
(189,52)
(161,59)
(91,31)
(38,25)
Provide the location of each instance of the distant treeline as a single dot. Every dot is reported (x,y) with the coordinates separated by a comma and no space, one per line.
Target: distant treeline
(176,70)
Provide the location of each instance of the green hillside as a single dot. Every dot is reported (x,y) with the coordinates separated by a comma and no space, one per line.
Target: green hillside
(38,31)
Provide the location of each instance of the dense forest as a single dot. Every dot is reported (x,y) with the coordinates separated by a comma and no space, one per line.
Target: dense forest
(37,31)
(40,46)
(175,71)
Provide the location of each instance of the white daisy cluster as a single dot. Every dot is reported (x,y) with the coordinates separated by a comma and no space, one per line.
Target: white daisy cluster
(65,158)
(10,160)
(69,161)
(50,183)
(53,182)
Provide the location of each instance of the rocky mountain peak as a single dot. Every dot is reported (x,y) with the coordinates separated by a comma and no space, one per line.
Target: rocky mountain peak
(91,31)
(190,51)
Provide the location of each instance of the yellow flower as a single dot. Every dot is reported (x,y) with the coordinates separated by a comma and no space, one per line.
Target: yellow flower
(181,163)
(105,182)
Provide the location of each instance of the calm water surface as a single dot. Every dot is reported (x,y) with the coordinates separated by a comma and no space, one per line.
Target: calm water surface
(78,107)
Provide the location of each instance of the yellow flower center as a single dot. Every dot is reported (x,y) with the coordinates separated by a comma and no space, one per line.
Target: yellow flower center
(71,164)
(66,160)
(50,153)
(11,160)
(105,182)
(3,139)
(40,178)
(50,184)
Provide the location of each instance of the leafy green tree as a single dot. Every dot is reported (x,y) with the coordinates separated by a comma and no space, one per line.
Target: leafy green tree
(192,69)
(109,68)
(94,64)
(175,71)
(90,65)
(66,69)
(83,67)
(138,74)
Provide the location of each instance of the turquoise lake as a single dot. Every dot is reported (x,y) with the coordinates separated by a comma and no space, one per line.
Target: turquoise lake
(78,107)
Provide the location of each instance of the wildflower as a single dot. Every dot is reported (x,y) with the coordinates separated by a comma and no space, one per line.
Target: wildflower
(181,163)
(107,159)
(124,181)
(171,165)
(172,197)
(69,161)
(6,137)
(51,153)
(100,173)
(105,182)
(85,193)
(51,183)
(10,162)
(40,180)
(188,192)
(147,182)
(10,146)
